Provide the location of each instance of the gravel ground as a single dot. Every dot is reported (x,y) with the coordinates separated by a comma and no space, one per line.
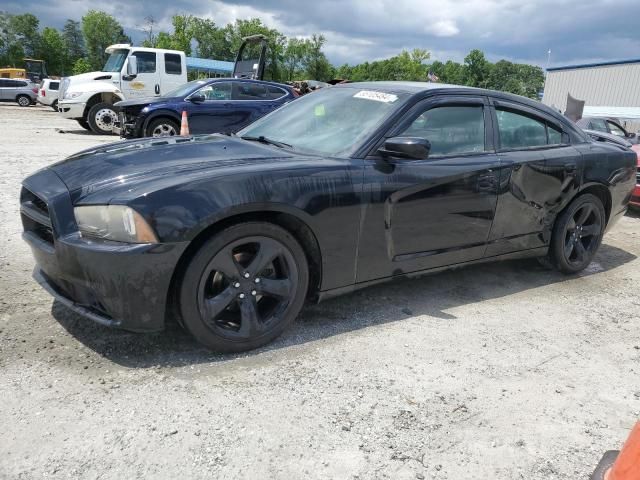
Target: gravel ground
(499,371)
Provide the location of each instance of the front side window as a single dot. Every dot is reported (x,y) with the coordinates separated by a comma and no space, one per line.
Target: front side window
(616,130)
(451,130)
(146,62)
(217,91)
(520,131)
(116,60)
(172,64)
(599,125)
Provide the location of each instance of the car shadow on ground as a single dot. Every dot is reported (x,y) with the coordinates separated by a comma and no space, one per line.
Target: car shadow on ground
(431,295)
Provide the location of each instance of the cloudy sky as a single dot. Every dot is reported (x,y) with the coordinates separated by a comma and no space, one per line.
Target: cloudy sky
(356,30)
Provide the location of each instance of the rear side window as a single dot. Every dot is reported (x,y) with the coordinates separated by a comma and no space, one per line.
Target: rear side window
(451,130)
(172,64)
(146,62)
(520,131)
(555,135)
(274,93)
(249,91)
(16,83)
(54,85)
(598,124)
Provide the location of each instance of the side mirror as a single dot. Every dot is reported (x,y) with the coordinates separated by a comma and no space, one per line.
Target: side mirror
(132,66)
(197,98)
(413,148)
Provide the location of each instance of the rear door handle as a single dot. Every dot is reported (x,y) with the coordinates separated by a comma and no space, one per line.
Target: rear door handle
(157,89)
(570,167)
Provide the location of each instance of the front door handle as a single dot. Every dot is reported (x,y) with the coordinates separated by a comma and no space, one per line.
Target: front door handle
(157,89)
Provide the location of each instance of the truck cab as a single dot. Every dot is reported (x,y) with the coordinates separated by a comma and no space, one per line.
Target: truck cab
(129,72)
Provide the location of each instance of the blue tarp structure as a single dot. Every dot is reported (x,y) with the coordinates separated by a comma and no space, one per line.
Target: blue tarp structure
(216,67)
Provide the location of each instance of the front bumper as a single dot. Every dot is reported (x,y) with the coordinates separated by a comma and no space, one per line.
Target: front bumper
(128,126)
(71,109)
(115,284)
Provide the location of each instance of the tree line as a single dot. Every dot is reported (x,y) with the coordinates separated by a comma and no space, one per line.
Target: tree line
(79,47)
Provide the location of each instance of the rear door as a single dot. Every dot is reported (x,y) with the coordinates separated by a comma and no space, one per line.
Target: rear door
(539,171)
(172,77)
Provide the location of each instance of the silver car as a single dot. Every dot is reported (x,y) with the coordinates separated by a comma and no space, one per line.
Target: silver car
(20,91)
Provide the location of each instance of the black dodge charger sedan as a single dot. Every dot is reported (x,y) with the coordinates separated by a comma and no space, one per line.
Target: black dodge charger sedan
(346,187)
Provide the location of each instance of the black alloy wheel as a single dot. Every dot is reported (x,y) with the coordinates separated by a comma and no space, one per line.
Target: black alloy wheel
(243,287)
(577,234)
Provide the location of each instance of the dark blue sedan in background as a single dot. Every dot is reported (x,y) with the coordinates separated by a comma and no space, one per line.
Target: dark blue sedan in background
(220,105)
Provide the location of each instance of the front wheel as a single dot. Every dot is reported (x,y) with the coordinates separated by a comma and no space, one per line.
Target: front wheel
(577,234)
(162,127)
(102,117)
(243,287)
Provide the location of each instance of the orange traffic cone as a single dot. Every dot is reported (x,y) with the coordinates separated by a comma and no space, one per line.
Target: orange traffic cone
(627,465)
(184,126)
(623,465)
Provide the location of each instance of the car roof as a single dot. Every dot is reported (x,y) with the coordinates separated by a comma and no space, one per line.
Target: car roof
(247,80)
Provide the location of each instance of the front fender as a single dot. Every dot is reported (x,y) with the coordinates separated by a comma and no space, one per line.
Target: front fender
(164,112)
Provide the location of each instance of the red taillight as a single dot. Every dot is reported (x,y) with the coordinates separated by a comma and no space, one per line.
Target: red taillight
(43,93)
(34,90)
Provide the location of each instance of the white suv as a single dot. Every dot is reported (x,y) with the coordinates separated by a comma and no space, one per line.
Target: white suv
(48,93)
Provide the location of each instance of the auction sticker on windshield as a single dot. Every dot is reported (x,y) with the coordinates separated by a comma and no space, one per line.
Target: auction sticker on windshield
(376,96)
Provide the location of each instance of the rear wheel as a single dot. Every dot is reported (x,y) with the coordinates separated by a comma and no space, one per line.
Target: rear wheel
(577,234)
(102,118)
(23,100)
(162,127)
(54,105)
(243,287)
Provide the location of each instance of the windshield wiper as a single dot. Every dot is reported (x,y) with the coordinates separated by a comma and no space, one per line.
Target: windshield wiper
(267,141)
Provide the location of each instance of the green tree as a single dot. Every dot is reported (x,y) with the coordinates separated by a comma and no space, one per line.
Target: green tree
(81,65)
(101,30)
(25,30)
(476,69)
(73,43)
(53,51)
(316,64)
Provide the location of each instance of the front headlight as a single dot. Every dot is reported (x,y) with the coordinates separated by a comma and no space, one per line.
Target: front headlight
(71,95)
(114,222)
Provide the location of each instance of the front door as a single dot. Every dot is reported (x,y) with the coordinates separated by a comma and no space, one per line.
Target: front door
(147,82)
(424,214)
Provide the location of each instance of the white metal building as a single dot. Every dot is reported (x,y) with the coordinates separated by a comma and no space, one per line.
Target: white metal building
(609,89)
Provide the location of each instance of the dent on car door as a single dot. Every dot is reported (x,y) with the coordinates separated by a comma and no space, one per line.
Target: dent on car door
(539,172)
(429,213)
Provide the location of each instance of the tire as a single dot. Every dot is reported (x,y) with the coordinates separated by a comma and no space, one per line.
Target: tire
(23,100)
(101,118)
(260,293)
(162,127)
(84,124)
(54,105)
(577,234)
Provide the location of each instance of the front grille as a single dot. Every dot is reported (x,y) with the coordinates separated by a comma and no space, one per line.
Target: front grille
(35,215)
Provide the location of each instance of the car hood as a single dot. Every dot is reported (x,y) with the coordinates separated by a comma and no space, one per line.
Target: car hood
(131,162)
(141,102)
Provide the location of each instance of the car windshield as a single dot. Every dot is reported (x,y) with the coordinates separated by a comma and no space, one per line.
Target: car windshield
(185,89)
(331,121)
(116,60)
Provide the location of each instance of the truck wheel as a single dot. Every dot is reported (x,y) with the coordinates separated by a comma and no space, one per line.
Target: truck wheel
(162,127)
(101,118)
(23,100)
(84,124)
